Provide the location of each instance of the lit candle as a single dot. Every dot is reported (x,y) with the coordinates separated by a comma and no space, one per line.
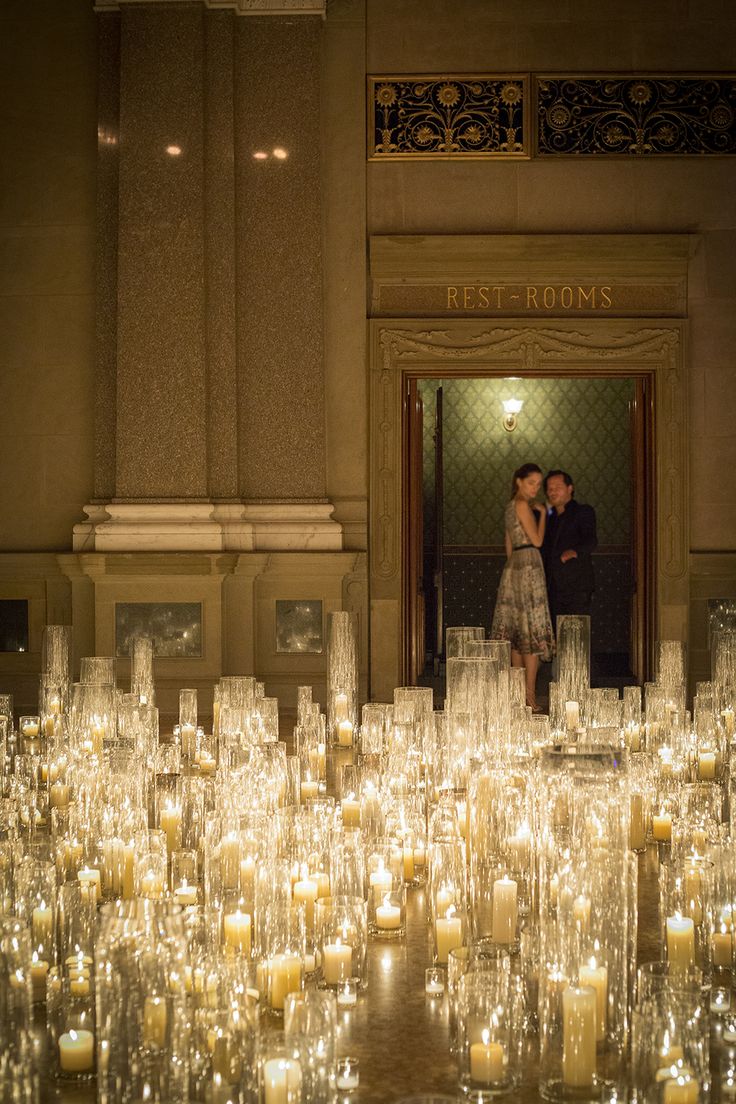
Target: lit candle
(581,912)
(597,978)
(152,885)
(285,976)
(305,892)
(728,720)
(381,880)
(42,924)
(282,1081)
(185,894)
(449,934)
(39,972)
(188,734)
(388,916)
(682,1089)
(680,941)
(520,848)
(337,962)
(572,715)
(236,928)
(58,795)
(350,811)
(171,825)
(90,877)
(693,890)
(309,789)
(707,765)
(128,871)
(662,827)
(408,864)
(504,910)
(154,1022)
(341,707)
(318,761)
(79,984)
(578,1037)
(345,733)
(323,882)
(486,1060)
(722,943)
(76,1051)
(247,873)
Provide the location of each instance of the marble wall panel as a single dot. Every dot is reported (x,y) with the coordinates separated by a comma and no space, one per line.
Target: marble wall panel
(343,159)
(47,189)
(161,380)
(220,271)
(279,258)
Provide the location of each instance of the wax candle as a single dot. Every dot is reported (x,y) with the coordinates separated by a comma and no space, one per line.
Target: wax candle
(504,910)
(581,912)
(381,881)
(347,993)
(76,1051)
(578,1037)
(285,976)
(282,1081)
(722,943)
(152,885)
(323,882)
(693,894)
(207,763)
(247,873)
(388,916)
(408,864)
(682,1089)
(155,1018)
(448,934)
(188,733)
(444,900)
(486,1061)
(680,941)
(42,924)
(236,927)
(520,848)
(308,790)
(185,894)
(90,877)
(39,972)
(171,825)
(572,715)
(662,827)
(318,761)
(305,892)
(341,707)
(597,978)
(58,795)
(79,984)
(128,871)
(337,962)
(707,766)
(728,720)
(350,811)
(345,733)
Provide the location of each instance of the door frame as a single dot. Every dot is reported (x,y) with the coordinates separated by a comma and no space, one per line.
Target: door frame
(599,347)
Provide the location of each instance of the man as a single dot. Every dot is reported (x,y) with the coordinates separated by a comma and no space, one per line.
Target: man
(569,540)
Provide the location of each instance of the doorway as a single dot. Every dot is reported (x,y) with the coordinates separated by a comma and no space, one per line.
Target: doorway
(461,454)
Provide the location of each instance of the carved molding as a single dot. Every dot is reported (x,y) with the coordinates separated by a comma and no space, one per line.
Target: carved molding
(615,347)
(240,7)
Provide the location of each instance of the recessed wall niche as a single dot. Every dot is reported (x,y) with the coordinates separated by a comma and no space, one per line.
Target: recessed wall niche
(176,627)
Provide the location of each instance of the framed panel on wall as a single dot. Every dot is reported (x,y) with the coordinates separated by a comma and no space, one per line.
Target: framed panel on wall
(176,627)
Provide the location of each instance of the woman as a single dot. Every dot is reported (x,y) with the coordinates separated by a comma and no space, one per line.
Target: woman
(522,612)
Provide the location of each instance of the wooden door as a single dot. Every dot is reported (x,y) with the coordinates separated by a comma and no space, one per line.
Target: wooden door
(414,645)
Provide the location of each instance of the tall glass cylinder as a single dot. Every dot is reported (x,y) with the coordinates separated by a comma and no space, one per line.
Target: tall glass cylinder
(141,669)
(573,658)
(342,677)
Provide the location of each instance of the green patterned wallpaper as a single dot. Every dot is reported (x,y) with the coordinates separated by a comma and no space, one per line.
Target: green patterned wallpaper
(580,425)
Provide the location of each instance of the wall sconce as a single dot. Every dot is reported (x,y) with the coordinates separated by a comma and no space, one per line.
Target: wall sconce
(511,407)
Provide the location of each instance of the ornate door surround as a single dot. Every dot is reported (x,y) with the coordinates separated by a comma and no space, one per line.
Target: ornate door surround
(400,348)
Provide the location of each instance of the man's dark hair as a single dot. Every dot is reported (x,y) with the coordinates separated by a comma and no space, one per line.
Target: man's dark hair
(567,479)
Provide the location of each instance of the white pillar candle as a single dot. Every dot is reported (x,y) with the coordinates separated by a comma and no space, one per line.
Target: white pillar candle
(185,894)
(152,885)
(308,790)
(408,864)
(486,1061)
(282,1081)
(341,707)
(285,976)
(722,943)
(520,848)
(728,720)
(128,871)
(236,928)
(572,715)
(681,1090)
(578,1037)
(39,972)
(171,825)
(381,880)
(707,766)
(305,892)
(581,912)
(449,934)
(388,916)
(155,1018)
(318,761)
(345,733)
(350,812)
(90,877)
(680,941)
(247,874)
(42,925)
(323,882)
(188,734)
(662,827)
(597,978)
(76,1051)
(504,910)
(337,962)
(58,795)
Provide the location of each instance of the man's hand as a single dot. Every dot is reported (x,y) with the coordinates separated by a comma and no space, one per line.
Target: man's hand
(568,554)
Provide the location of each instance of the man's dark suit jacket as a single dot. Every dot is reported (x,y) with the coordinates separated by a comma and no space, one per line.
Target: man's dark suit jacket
(573,528)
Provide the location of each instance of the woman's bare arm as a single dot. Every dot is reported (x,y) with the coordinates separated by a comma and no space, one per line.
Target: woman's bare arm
(526,516)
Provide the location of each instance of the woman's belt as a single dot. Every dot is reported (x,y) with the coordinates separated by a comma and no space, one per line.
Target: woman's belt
(518,547)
